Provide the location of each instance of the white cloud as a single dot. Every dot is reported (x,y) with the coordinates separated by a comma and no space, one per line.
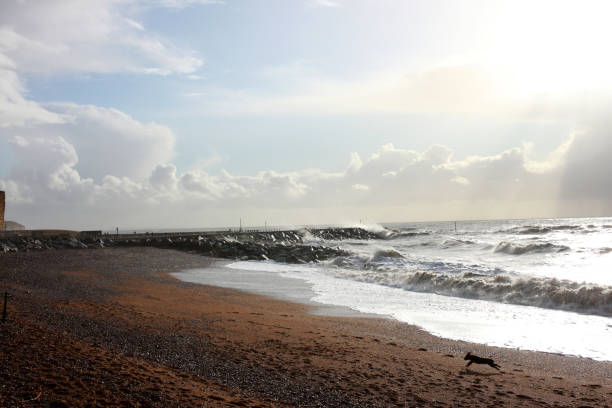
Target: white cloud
(108,141)
(93,36)
(179,4)
(83,166)
(135,24)
(460,180)
(588,166)
(15,110)
(164,177)
(360,187)
(324,3)
(389,183)
(300,88)
(46,162)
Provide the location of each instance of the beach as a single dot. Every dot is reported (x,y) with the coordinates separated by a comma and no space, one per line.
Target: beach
(113,327)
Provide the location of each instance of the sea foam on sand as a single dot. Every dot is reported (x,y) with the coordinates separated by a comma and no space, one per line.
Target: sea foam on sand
(479,321)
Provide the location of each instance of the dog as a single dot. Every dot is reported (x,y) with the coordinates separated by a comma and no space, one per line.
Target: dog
(480,360)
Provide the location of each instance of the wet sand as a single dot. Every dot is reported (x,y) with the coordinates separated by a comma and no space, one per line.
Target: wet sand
(111,327)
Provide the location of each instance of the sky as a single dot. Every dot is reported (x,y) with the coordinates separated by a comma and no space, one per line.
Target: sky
(198,113)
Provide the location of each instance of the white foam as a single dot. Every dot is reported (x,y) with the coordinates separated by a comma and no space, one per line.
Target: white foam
(492,323)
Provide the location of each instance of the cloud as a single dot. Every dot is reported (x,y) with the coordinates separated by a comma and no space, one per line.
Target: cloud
(15,109)
(179,4)
(164,178)
(462,86)
(47,188)
(46,163)
(301,88)
(95,36)
(108,141)
(135,24)
(360,187)
(324,3)
(85,166)
(587,169)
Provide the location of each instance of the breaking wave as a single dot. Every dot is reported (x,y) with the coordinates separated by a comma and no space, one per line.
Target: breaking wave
(386,253)
(512,248)
(522,266)
(407,234)
(452,243)
(540,292)
(541,229)
(308,237)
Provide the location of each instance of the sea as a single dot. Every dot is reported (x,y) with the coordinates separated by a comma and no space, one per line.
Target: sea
(536,284)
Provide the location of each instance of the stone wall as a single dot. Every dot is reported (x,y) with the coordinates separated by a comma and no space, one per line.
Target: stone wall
(2,198)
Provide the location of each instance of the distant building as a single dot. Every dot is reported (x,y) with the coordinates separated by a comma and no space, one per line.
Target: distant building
(2,204)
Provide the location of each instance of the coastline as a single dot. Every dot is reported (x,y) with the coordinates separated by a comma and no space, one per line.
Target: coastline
(76,317)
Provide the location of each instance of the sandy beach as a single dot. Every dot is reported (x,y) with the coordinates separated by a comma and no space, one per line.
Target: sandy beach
(111,327)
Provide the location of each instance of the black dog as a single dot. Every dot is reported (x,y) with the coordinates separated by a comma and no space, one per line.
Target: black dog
(480,360)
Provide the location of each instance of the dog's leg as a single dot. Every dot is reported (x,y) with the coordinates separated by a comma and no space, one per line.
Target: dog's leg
(495,366)
(469,364)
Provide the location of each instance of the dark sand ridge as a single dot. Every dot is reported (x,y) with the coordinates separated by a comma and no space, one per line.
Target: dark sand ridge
(110,327)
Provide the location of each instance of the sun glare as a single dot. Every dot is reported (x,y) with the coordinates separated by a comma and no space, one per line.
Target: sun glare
(552,47)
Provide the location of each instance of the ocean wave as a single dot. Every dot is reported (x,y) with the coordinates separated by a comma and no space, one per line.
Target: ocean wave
(378,230)
(540,292)
(533,230)
(390,261)
(512,248)
(392,234)
(540,229)
(382,259)
(452,243)
(384,254)
(308,237)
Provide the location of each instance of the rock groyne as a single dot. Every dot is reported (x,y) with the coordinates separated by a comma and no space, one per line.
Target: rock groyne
(297,246)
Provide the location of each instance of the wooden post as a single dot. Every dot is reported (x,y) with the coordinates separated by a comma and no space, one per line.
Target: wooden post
(4,308)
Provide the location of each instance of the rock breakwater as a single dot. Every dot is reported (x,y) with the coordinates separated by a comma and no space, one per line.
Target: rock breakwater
(281,246)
